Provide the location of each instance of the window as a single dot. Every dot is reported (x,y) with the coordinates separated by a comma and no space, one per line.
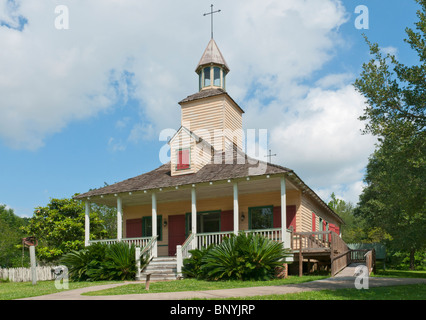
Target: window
(208,222)
(183,159)
(147,227)
(261,217)
(207,81)
(216,76)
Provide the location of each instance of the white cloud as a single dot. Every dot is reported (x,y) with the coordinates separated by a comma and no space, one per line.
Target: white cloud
(334,81)
(115,145)
(148,50)
(390,50)
(324,142)
(52,77)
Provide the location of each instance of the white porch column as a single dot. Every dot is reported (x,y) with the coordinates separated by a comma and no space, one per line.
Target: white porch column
(284,214)
(119,219)
(194,217)
(154,224)
(87,224)
(236,209)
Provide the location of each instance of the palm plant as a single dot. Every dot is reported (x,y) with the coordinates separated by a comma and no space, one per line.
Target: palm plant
(81,263)
(192,267)
(119,263)
(103,262)
(244,257)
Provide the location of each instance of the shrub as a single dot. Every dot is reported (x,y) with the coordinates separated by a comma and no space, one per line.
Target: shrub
(80,263)
(192,267)
(103,262)
(242,257)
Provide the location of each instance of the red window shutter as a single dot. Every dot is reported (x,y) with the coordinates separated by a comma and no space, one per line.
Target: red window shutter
(291,217)
(134,228)
(276,217)
(313,222)
(183,159)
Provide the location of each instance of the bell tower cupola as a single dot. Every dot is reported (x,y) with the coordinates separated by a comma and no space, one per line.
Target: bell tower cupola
(212,68)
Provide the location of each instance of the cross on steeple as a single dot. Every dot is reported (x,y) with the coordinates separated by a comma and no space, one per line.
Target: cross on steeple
(211,13)
(270,155)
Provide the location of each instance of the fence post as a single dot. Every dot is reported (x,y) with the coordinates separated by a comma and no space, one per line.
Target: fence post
(33,265)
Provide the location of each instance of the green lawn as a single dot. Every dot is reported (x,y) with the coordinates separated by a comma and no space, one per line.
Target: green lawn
(405,292)
(196,285)
(18,290)
(10,290)
(400,274)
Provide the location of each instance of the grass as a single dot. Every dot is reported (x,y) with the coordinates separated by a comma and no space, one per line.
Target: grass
(403,292)
(197,285)
(18,290)
(11,290)
(400,274)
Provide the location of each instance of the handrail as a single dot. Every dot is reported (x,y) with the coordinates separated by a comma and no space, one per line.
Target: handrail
(149,246)
(140,252)
(188,241)
(370,260)
(182,252)
(312,240)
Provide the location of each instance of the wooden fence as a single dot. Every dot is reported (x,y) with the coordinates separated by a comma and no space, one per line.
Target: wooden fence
(24,274)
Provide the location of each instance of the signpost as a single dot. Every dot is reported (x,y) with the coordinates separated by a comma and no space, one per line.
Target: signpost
(31,243)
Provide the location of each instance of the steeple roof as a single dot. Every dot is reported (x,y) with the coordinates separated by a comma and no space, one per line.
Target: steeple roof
(212,54)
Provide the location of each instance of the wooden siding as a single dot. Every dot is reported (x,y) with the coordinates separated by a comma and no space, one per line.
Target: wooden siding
(202,155)
(215,119)
(203,118)
(304,221)
(233,125)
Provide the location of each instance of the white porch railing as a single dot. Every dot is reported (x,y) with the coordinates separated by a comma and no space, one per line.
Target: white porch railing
(272,234)
(206,239)
(138,242)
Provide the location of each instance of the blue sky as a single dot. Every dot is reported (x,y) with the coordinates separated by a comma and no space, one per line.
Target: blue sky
(85,106)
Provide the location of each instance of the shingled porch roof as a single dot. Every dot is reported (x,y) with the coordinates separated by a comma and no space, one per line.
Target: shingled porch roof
(161,177)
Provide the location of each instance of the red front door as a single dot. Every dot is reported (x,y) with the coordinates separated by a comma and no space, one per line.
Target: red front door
(176,232)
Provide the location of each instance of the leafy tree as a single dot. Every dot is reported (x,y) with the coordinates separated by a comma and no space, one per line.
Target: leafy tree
(59,228)
(355,229)
(108,220)
(394,199)
(352,231)
(11,237)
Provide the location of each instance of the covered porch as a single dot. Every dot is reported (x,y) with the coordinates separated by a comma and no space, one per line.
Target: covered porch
(171,221)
